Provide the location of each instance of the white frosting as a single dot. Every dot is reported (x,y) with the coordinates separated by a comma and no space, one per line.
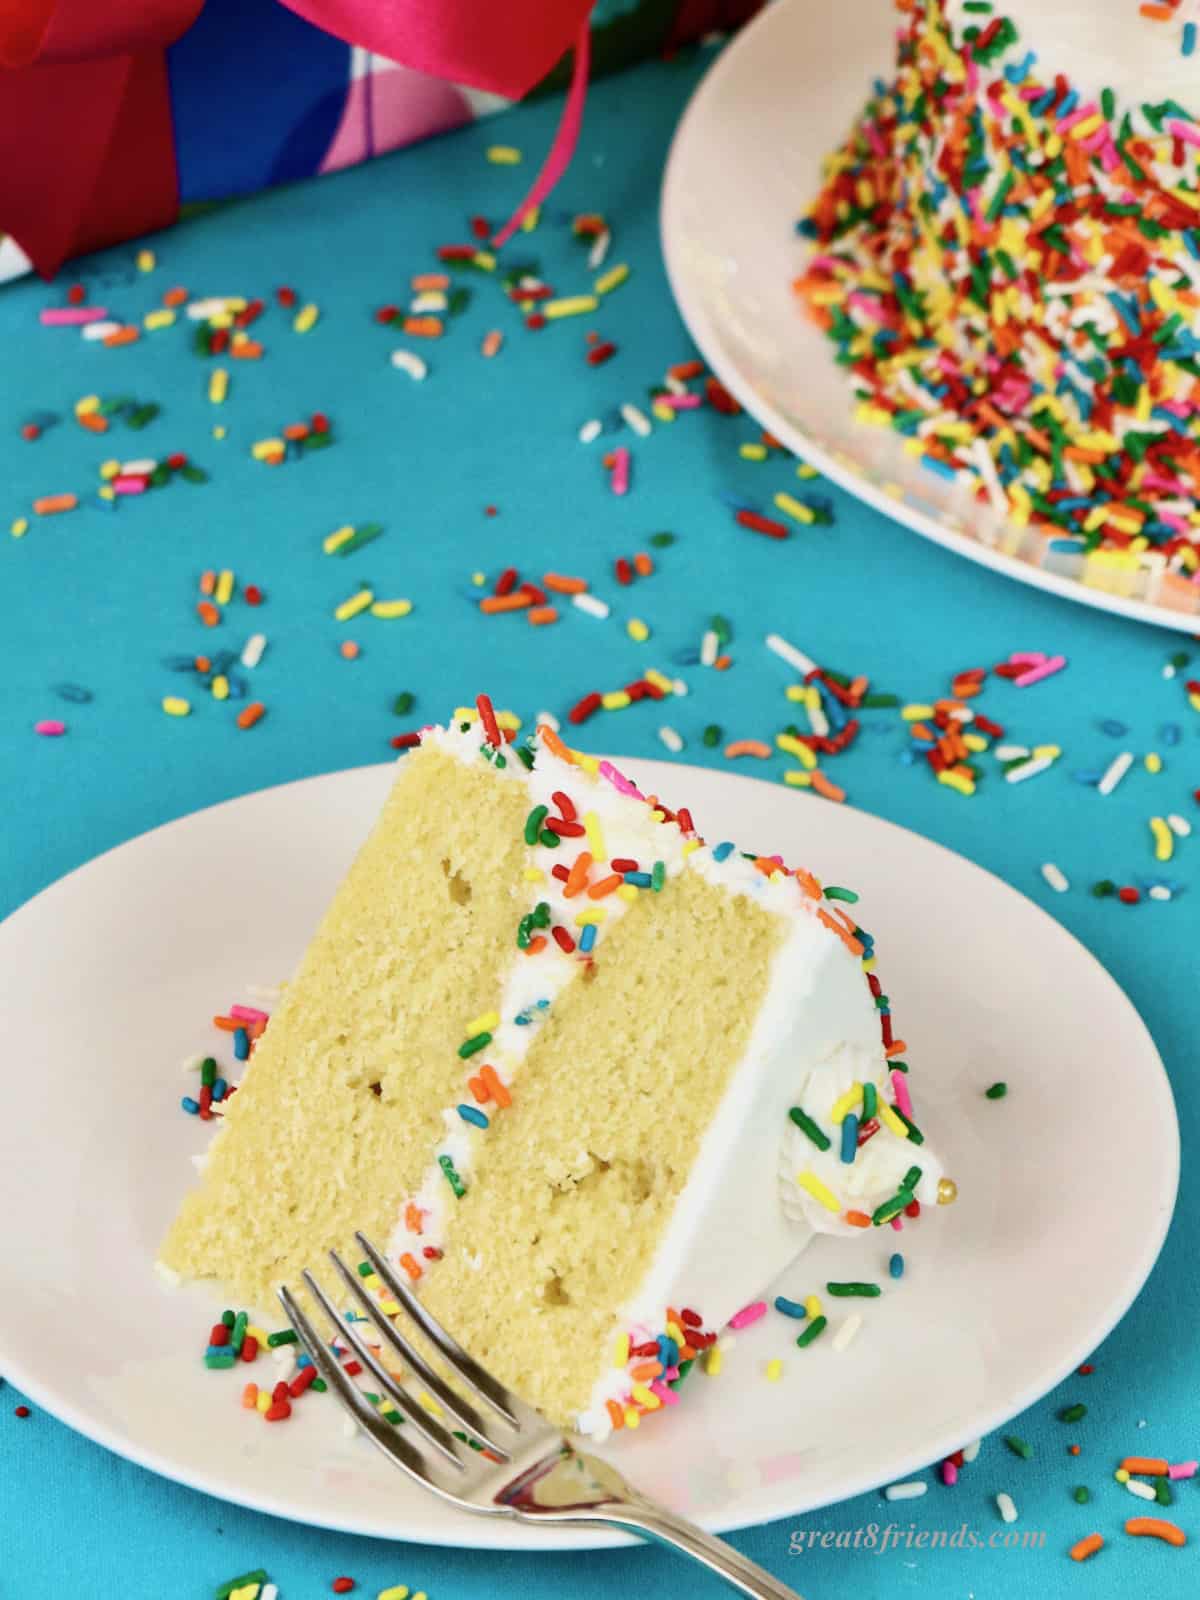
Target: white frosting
(741,1216)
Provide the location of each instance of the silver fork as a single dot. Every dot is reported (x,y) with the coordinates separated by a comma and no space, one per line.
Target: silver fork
(504,1459)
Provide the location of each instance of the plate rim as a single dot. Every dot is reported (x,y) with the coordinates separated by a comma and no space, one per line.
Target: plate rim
(703,333)
(525,1538)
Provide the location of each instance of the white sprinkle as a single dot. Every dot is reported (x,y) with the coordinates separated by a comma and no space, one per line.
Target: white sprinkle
(1179,826)
(1119,766)
(142,468)
(847,1332)
(709,646)
(1008,1511)
(267,993)
(1055,877)
(201,310)
(817,720)
(92,331)
(252,650)
(409,361)
(599,249)
(269,1591)
(674,385)
(430,300)
(788,652)
(635,419)
(591,430)
(1030,769)
(547,719)
(1167,672)
(168,1275)
(678,685)
(1159,891)
(349,1427)
(671,739)
(192,1063)
(1142,1490)
(1010,752)
(590,604)
(912,1490)
(970,1451)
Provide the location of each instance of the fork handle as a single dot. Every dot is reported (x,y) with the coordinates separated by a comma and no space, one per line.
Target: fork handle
(655,1522)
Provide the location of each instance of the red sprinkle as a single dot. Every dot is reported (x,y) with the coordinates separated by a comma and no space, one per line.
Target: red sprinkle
(563,940)
(23,1411)
(566,806)
(219,1334)
(252,595)
(387,314)
(278,1411)
(1085,1370)
(600,353)
(405,741)
(1128,896)
(623,570)
(583,709)
(301,1381)
(76,294)
(623,864)
(249,1348)
(286,296)
(773,530)
(320,422)
(488,717)
(342,1585)
(506,582)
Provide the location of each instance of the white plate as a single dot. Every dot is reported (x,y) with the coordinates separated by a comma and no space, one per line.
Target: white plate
(107,982)
(744,165)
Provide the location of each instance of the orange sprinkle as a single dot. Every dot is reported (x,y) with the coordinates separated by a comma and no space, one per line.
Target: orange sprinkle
(499,1090)
(858,688)
(517,601)
(643,565)
(423,327)
(226,1024)
(1156,13)
(1086,1547)
(536,944)
(413,1219)
(492,342)
(747,747)
(47,504)
(1154,1466)
(1156,1528)
(554,744)
(92,421)
(203,664)
(296,430)
(808,883)
(856,1219)
(824,786)
(408,1262)
(208,613)
(175,297)
(615,1415)
(251,714)
(558,583)
(127,335)
(430,280)
(606,886)
(577,877)
(246,350)
(683,370)
(250,1397)
(645,1370)
(723,663)
(539,616)
(350,649)
(897,1048)
(852,944)
(208,582)
(1072,1449)
(920,731)
(479,1089)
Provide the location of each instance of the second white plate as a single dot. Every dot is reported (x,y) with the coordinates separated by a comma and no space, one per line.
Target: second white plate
(108,979)
(745,163)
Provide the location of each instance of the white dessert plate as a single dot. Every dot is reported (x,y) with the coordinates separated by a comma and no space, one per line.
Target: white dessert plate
(744,164)
(109,980)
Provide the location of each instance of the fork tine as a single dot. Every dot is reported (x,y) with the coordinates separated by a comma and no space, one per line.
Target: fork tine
(461,1410)
(379,1430)
(515,1411)
(431,1430)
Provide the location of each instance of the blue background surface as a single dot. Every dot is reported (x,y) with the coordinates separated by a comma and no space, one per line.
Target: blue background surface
(100,599)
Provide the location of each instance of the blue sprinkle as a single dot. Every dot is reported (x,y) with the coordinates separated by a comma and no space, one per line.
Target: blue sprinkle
(942,468)
(720,851)
(668,1350)
(642,880)
(192,1107)
(220,1089)
(849,1138)
(1115,729)
(472,1114)
(179,663)
(75,692)
(896,1265)
(241,1044)
(736,502)
(790,1308)
(1188,43)
(522,1019)
(304,1361)
(1170,733)
(1088,779)
(587,938)
(221,1350)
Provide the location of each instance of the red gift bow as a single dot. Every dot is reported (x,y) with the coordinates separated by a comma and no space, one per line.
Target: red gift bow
(86,151)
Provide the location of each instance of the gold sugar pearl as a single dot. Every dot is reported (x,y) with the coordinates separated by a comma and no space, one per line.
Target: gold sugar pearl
(947,1192)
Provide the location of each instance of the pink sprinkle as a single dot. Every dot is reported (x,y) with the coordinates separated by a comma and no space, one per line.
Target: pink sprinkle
(1187,131)
(619,482)
(619,781)
(748,1314)
(897,1224)
(903,1098)
(249,1014)
(1027,658)
(1046,669)
(71,316)
(129,485)
(50,728)
(1182,1469)
(678,402)
(1080,114)
(949,1472)
(666,1395)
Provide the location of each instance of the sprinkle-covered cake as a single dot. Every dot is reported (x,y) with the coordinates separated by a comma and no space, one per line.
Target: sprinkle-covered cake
(1007,254)
(594,1081)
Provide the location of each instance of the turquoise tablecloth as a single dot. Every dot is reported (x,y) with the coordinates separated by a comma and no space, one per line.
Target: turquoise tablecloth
(101,599)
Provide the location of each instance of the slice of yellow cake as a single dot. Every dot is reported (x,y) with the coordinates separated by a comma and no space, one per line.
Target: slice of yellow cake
(593,1081)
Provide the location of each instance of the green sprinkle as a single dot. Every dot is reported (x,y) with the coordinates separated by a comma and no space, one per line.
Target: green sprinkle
(814,1331)
(890,1208)
(1019,1446)
(832,892)
(997,1091)
(319,1385)
(458,300)
(403,703)
(711,735)
(533,823)
(361,536)
(1162,1492)
(721,627)
(364,1269)
(472,1046)
(219,1360)
(658,875)
(193,474)
(316,441)
(1180,659)
(806,1125)
(541,914)
(452,1177)
(853,1289)
(1108,103)
(208,1072)
(259,1575)
(238,1334)
(525,757)
(996,204)
(870,1102)
(287,1335)
(228,1317)
(162,472)
(880,702)
(1104,888)
(1082,1495)
(915,1136)
(911,1179)
(660,541)
(1072,1413)
(141,415)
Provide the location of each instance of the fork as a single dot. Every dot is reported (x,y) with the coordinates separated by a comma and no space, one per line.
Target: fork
(503,1459)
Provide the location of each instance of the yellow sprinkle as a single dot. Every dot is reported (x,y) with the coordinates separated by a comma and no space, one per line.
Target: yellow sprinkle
(845,1102)
(428,1402)
(713,1358)
(90,402)
(356,603)
(1154,762)
(612,279)
(637,630)
(483,1024)
(810,1182)
(628,891)
(916,713)
(263,1403)
(798,780)
(264,449)
(957,780)
(890,1120)
(531,219)
(1194,701)
(478,579)
(391,608)
(659,680)
(588,764)
(592,914)
(797,693)
(336,539)
(504,155)
(1089,125)
(975,742)
(621,1350)
(645,1397)
(306,317)
(219,432)
(176,706)
(224,590)
(109,470)
(145,260)
(615,700)
(220,687)
(573,305)
(221,320)
(631,1417)
(812,1305)
(1049,752)
(508,719)
(398,1591)
(218,385)
(390,1308)
(792,507)
(1164,839)
(803,470)
(595,836)
(796,747)
(690,845)
(19,527)
(153,320)
(253,1331)
(534,875)
(774,1370)
(484,260)
(106,493)
(753,452)
(662,412)
(1121,1475)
